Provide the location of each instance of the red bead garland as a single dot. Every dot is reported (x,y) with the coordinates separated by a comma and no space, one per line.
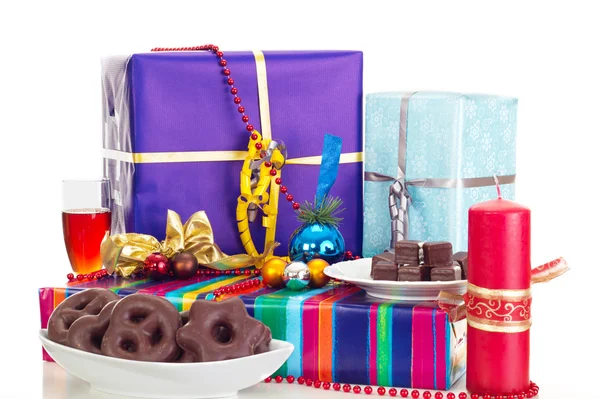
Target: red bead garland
(368,390)
(95,275)
(234,91)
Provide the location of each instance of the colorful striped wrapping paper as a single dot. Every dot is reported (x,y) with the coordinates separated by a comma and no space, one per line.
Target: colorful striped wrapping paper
(339,332)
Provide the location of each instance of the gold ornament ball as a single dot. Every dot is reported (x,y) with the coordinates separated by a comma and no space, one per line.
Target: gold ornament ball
(317,277)
(272,272)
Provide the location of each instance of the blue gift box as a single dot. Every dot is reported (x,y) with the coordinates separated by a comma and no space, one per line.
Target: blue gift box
(450,141)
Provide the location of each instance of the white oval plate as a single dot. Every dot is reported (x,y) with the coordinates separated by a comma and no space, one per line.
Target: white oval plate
(358,272)
(168,380)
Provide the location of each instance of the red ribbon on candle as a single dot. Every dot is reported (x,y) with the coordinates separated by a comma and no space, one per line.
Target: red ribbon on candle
(499,310)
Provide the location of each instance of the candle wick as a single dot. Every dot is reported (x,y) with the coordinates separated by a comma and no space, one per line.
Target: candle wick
(497,186)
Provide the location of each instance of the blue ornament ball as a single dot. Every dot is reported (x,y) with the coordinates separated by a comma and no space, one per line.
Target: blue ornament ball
(317,241)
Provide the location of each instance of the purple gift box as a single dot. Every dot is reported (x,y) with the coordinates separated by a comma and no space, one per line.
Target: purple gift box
(170,126)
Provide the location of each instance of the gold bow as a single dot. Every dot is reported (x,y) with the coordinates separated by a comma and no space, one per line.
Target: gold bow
(124,254)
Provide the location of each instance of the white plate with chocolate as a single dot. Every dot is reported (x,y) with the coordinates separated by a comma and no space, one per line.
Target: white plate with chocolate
(141,346)
(414,271)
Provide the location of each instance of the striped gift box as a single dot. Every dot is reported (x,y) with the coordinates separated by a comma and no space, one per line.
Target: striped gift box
(340,333)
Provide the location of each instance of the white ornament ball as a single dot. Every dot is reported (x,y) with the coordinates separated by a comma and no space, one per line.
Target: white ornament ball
(296,276)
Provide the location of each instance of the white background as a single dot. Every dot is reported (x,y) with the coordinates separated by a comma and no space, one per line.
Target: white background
(544,53)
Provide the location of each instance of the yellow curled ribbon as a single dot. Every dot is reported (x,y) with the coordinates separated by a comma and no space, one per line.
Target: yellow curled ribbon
(124,254)
(259,196)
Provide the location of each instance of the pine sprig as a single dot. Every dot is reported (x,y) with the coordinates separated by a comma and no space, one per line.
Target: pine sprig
(324,213)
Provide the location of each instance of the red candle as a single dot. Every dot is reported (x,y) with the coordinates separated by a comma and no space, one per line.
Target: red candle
(498,299)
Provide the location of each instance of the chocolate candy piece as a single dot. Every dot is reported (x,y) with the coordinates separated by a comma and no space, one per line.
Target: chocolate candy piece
(142,327)
(384,271)
(413,273)
(86,333)
(221,331)
(445,273)
(407,252)
(437,253)
(462,258)
(87,302)
(384,257)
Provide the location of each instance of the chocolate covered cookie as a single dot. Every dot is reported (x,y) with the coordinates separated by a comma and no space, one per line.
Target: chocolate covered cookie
(87,302)
(86,333)
(221,331)
(142,327)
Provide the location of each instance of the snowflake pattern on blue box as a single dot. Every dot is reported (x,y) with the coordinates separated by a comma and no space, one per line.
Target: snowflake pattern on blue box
(449,135)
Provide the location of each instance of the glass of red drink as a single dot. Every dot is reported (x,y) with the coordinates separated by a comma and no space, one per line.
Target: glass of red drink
(86,218)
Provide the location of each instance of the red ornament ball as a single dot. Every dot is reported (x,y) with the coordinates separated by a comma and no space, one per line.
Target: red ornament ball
(278,379)
(415,394)
(356,389)
(295,205)
(368,390)
(347,388)
(268,379)
(300,380)
(381,391)
(476,396)
(278,180)
(439,395)
(451,395)
(462,395)
(308,382)
(427,395)
(70,276)
(157,266)
(317,384)
(393,392)
(404,393)
(337,386)
(273,172)
(80,277)
(326,385)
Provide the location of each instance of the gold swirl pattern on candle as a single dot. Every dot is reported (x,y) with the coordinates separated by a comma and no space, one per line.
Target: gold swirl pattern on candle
(506,311)
(499,310)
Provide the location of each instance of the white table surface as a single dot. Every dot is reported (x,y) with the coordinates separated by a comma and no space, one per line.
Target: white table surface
(57,384)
